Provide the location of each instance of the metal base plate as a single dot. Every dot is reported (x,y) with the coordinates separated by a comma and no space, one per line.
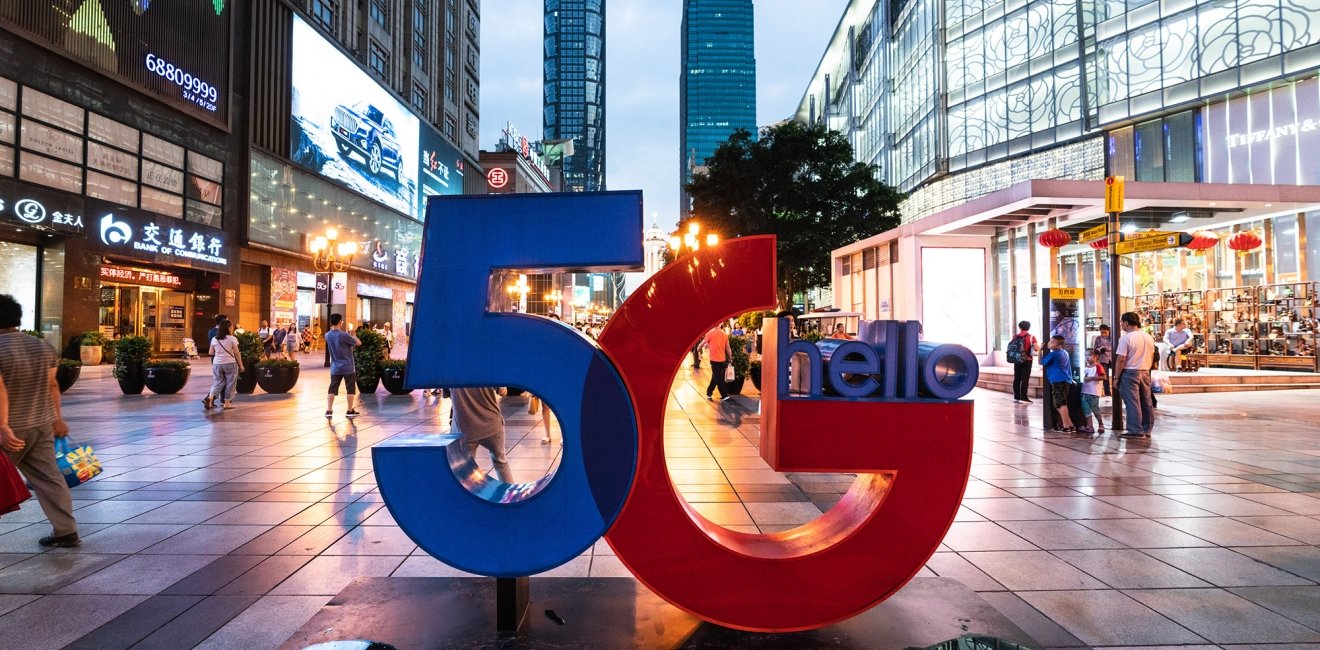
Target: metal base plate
(620,613)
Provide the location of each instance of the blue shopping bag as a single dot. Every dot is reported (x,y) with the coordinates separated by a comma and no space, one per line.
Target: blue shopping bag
(78,463)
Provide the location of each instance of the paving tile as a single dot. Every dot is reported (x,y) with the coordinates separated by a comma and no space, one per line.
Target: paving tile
(724,514)
(1296,603)
(1108,618)
(196,624)
(46,573)
(953,565)
(1129,569)
(1300,560)
(266,624)
(1223,617)
(1031,571)
(1225,568)
(984,536)
(1228,505)
(328,574)
(1223,531)
(212,577)
(372,540)
(1143,533)
(1082,507)
(1038,626)
(125,538)
(139,575)
(1008,509)
(136,624)
(428,567)
(782,513)
(1300,504)
(206,540)
(1155,505)
(47,623)
(183,512)
(1051,535)
(11,602)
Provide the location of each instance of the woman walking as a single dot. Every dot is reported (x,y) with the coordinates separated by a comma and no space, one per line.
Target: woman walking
(226,363)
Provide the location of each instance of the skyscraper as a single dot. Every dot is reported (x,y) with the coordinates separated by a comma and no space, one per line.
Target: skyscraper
(718,81)
(574,88)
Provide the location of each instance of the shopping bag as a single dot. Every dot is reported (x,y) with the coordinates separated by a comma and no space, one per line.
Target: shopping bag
(78,464)
(728,373)
(13,490)
(1160,382)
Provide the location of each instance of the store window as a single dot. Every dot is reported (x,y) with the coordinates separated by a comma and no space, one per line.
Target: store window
(18,266)
(1285,249)
(1312,222)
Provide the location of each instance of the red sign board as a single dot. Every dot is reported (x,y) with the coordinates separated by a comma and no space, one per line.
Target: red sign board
(497,177)
(141,276)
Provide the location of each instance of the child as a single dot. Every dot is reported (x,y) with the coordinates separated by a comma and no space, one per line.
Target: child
(1058,372)
(1093,382)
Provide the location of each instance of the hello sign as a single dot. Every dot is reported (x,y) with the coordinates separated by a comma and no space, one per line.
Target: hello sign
(911,446)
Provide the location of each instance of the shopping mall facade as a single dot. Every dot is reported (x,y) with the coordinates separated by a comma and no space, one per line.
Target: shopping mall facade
(161,163)
(1001,121)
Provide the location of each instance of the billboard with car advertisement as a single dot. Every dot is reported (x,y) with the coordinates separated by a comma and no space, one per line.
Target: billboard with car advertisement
(348,128)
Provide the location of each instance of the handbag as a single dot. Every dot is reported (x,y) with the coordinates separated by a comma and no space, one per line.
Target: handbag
(13,491)
(78,464)
(728,373)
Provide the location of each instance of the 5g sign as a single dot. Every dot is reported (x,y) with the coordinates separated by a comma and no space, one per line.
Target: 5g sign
(912,455)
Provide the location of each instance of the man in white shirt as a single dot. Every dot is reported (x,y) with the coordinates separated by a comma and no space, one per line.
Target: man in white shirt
(1132,363)
(1180,340)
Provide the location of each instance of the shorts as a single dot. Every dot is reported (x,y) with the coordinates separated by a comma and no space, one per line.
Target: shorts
(1090,405)
(352,383)
(1060,393)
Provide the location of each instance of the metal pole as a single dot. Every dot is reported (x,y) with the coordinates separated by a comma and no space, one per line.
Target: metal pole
(1115,311)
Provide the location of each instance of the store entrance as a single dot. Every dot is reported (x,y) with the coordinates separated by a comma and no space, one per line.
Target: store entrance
(156,313)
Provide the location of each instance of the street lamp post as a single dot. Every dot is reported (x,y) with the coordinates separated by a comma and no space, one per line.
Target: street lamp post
(692,240)
(328,254)
(518,293)
(555,298)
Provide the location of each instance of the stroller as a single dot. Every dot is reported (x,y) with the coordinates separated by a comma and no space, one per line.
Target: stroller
(190,349)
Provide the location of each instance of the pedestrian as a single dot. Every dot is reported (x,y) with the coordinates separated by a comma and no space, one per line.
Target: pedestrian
(1104,346)
(316,334)
(210,334)
(696,356)
(476,413)
(1132,359)
(277,341)
(1180,339)
(719,352)
(226,363)
(306,340)
(31,420)
(290,341)
(342,369)
(1093,379)
(388,331)
(1022,348)
(1058,374)
(840,333)
(264,335)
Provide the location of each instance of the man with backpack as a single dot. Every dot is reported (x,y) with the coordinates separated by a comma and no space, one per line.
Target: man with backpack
(1022,348)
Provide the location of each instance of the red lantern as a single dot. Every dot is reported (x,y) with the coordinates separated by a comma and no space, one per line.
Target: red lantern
(1243,242)
(1203,240)
(1100,244)
(1054,238)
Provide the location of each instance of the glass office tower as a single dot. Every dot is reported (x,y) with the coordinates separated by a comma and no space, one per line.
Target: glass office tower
(574,88)
(717,81)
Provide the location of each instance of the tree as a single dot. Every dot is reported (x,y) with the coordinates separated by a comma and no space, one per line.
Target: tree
(800,183)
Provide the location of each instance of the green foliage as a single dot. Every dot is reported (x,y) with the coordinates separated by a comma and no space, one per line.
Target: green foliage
(368,357)
(70,363)
(398,364)
(130,351)
(177,364)
(91,339)
(800,183)
(249,346)
(278,363)
(741,361)
(34,333)
(812,336)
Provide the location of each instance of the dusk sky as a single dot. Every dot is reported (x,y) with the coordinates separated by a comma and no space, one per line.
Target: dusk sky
(642,74)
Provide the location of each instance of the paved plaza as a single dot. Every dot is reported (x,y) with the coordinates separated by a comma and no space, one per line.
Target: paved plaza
(230,529)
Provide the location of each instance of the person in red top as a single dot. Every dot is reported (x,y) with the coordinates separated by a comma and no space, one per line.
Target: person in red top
(719,352)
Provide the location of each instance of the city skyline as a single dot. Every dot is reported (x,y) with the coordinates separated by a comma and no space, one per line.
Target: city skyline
(643,50)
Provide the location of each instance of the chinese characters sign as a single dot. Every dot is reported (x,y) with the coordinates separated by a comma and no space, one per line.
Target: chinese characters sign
(145,277)
(143,235)
(40,209)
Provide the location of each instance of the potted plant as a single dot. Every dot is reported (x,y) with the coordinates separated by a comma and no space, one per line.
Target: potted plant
(67,373)
(130,353)
(166,376)
(277,375)
(754,371)
(249,347)
(90,348)
(392,373)
(367,359)
(738,346)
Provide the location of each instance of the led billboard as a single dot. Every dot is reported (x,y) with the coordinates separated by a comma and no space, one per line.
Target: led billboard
(440,170)
(347,127)
(177,50)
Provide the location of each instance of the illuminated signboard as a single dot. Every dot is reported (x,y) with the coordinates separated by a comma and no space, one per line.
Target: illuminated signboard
(142,235)
(40,209)
(178,50)
(141,276)
(1264,137)
(349,128)
(440,169)
(524,147)
(498,177)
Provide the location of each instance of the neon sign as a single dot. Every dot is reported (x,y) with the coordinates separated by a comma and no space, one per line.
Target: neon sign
(911,446)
